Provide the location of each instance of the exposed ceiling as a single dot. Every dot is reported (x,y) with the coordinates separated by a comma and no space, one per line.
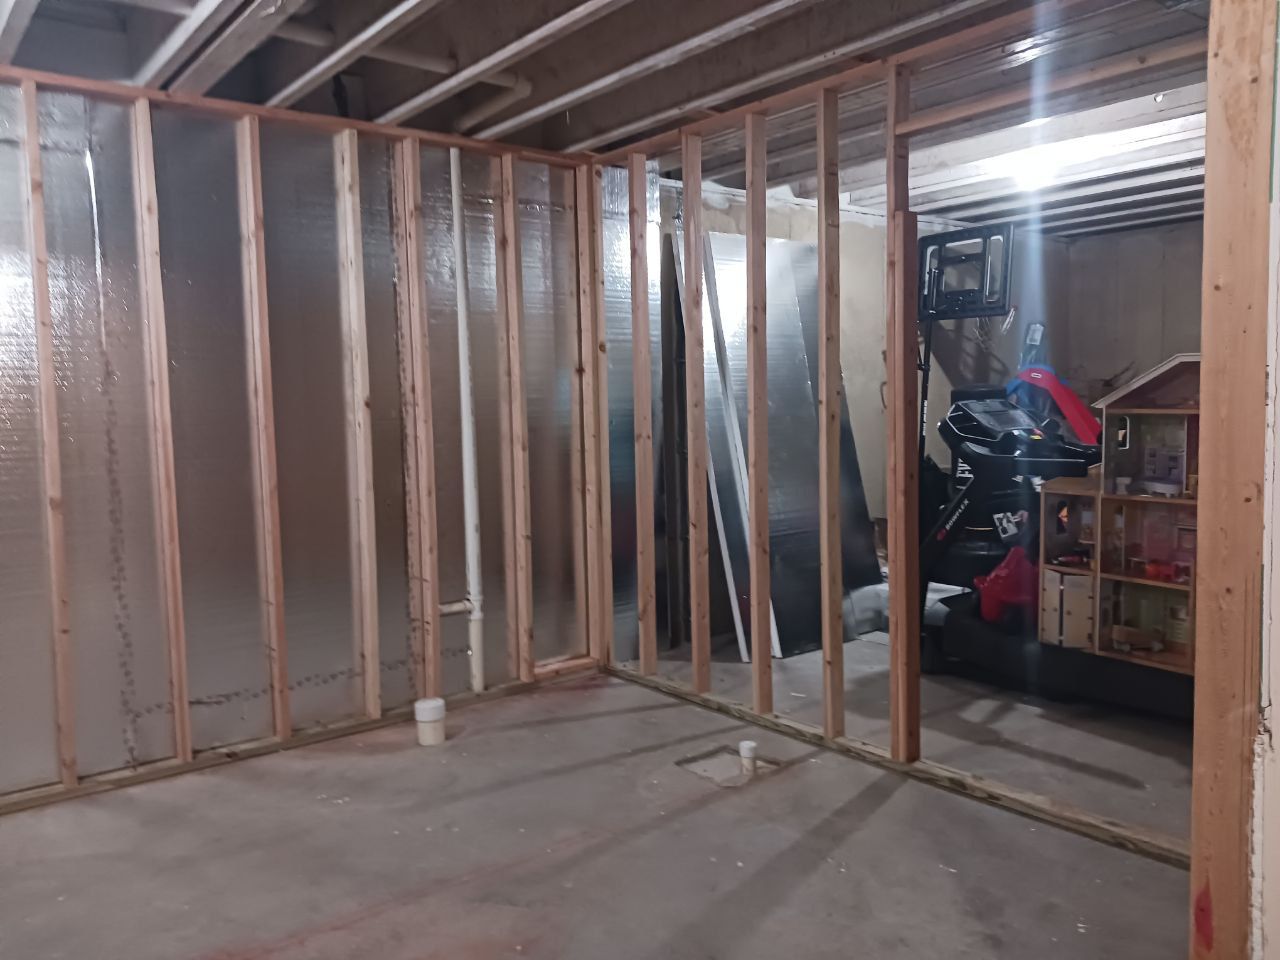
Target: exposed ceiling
(590,74)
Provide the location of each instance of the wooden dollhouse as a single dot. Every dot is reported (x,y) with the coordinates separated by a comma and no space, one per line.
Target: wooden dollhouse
(1118,549)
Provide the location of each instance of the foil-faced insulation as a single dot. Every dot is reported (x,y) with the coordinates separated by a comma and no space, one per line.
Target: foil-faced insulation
(28,739)
(615,267)
(395,638)
(436,232)
(549,337)
(307,370)
(124,716)
(228,675)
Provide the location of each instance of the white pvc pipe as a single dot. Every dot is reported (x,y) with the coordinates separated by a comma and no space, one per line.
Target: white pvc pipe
(467,414)
(747,755)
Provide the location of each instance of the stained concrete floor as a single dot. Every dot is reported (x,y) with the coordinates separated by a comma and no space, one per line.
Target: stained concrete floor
(556,824)
(1131,767)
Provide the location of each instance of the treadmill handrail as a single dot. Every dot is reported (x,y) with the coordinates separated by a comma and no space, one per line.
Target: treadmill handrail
(1028,466)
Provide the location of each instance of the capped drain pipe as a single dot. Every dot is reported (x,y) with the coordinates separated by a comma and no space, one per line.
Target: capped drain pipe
(428,713)
(747,754)
(467,414)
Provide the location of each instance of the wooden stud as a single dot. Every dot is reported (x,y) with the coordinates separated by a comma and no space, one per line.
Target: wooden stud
(159,416)
(604,620)
(565,666)
(587,219)
(403,237)
(904,524)
(519,436)
(358,420)
(758,417)
(506,456)
(901,345)
(415,393)
(50,453)
(830,408)
(262,414)
(1233,615)
(577,466)
(642,387)
(696,413)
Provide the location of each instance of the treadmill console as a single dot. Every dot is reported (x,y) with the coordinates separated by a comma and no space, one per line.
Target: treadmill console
(998,416)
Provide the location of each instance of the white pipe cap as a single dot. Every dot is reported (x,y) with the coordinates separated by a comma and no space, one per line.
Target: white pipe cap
(428,709)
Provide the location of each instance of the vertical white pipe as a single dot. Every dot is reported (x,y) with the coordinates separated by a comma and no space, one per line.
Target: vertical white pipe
(467,413)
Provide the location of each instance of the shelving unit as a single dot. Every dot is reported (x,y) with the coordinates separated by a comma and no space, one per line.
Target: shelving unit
(1133,521)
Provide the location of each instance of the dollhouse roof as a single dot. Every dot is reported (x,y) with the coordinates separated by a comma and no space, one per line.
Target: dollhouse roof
(1174,383)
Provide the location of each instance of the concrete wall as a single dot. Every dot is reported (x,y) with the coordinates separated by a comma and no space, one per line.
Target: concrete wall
(1134,301)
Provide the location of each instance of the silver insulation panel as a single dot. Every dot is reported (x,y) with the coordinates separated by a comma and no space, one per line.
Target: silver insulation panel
(616,276)
(119,643)
(549,335)
(395,638)
(307,370)
(28,739)
(227,670)
(480,205)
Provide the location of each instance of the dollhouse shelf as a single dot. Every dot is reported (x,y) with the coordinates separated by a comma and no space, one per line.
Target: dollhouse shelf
(1070,570)
(1150,434)
(1149,498)
(1163,660)
(1166,584)
(1159,411)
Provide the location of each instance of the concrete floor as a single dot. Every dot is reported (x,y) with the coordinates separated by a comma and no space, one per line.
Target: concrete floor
(557,825)
(1131,767)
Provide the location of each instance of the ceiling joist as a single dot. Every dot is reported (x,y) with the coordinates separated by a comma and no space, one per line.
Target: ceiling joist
(725,30)
(184,41)
(243,34)
(503,57)
(349,51)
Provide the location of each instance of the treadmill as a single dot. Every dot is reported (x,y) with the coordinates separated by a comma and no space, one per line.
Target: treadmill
(1006,452)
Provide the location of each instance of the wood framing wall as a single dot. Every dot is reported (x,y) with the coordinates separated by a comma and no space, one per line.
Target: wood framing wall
(904,753)
(406,215)
(1241,52)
